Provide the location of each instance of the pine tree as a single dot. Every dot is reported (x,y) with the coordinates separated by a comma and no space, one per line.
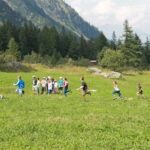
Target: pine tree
(147,51)
(131,47)
(74,50)
(83,48)
(113,42)
(13,49)
(101,42)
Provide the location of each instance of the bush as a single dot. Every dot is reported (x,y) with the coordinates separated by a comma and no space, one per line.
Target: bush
(10,58)
(4,58)
(112,60)
(33,58)
(82,62)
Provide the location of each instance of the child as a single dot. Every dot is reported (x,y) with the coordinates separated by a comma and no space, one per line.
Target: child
(84,89)
(20,85)
(38,86)
(50,87)
(60,84)
(140,91)
(117,90)
(66,85)
(34,83)
(55,86)
(43,83)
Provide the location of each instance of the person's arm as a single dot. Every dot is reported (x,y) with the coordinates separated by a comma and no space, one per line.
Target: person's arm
(16,83)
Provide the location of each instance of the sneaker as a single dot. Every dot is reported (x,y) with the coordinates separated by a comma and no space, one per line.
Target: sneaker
(23,92)
(89,93)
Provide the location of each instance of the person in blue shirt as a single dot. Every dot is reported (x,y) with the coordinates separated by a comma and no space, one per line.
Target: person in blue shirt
(21,86)
(60,85)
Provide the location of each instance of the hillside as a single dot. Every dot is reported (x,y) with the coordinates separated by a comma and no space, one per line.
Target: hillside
(49,12)
(6,13)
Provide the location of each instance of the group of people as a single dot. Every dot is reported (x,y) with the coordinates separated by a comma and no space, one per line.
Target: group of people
(50,85)
(139,93)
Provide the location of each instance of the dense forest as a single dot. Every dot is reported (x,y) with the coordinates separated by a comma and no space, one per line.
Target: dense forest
(33,45)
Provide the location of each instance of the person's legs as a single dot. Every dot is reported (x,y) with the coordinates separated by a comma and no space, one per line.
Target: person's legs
(20,92)
(38,91)
(42,91)
(17,90)
(114,95)
(49,92)
(84,95)
(119,93)
(65,91)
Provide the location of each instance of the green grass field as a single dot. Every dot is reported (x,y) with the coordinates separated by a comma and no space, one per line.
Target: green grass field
(55,122)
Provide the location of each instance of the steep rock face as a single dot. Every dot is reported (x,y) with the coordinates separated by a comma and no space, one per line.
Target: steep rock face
(6,13)
(52,13)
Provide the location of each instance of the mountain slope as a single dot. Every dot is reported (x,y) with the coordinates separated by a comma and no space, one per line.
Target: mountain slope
(6,13)
(52,12)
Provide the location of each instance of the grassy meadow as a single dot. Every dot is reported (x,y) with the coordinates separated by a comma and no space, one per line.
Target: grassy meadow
(56,122)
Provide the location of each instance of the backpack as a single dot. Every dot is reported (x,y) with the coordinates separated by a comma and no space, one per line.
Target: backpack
(22,84)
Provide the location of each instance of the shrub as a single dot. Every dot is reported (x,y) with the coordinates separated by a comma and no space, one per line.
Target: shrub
(33,58)
(82,62)
(112,60)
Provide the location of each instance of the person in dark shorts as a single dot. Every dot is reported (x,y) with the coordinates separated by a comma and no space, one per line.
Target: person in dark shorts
(84,88)
(140,92)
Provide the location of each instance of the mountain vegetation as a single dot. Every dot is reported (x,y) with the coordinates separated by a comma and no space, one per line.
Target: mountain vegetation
(31,44)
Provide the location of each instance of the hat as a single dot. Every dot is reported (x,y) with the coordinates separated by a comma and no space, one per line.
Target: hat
(33,76)
(60,77)
(49,77)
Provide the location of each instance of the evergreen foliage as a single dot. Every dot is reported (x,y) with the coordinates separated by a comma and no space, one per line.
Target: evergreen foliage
(49,46)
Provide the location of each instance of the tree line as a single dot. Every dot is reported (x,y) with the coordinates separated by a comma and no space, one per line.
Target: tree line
(47,45)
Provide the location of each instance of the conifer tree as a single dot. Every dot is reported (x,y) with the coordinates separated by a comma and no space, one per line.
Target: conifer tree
(113,42)
(13,49)
(130,48)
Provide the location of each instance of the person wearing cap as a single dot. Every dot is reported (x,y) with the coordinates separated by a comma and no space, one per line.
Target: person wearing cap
(43,84)
(60,85)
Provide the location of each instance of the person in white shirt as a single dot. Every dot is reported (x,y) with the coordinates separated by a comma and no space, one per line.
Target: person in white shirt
(50,87)
(117,90)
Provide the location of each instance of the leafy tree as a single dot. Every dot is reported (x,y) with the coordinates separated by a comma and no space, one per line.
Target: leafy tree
(112,59)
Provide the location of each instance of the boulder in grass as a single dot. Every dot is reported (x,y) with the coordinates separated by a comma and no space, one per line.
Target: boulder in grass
(94,70)
(112,75)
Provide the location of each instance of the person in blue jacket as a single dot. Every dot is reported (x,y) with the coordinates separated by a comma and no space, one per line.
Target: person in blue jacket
(21,86)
